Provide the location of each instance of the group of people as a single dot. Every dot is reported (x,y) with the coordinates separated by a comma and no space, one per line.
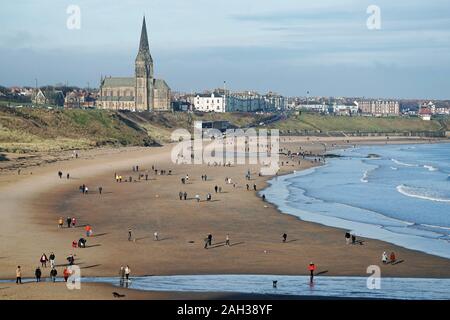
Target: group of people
(392,258)
(124,272)
(60,175)
(38,274)
(53,271)
(209,239)
(350,237)
(71,222)
(83,189)
(183,195)
(81,243)
(44,259)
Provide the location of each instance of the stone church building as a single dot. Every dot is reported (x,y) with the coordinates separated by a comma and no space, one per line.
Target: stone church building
(139,93)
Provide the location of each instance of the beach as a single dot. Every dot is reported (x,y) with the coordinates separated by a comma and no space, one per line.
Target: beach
(33,201)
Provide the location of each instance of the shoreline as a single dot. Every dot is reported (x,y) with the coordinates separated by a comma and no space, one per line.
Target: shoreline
(344,229)
(246,251)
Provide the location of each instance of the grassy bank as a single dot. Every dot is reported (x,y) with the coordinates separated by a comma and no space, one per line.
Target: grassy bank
(34,129)
(318,123)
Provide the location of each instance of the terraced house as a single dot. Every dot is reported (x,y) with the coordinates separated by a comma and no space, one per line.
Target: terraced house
(139,93)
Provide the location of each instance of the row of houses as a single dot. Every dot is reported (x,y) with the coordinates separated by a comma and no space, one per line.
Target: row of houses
(78,98)
(236,102)
(221,100)
(377,108)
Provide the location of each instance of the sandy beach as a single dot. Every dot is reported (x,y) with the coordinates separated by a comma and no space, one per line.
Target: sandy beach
(33,201)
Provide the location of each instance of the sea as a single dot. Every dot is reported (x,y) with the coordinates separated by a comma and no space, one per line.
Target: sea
(395,193)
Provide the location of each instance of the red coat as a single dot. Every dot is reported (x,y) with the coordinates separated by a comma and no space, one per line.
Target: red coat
(312,267)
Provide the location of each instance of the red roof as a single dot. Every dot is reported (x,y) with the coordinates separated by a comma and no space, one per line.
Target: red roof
(425,111)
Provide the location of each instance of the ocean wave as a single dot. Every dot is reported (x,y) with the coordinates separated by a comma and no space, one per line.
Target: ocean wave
(403,163)
(394,168)
(365,177)
(422,193)
(435,227)
(430,168)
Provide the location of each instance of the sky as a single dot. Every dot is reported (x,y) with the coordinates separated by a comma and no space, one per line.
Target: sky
(287,46)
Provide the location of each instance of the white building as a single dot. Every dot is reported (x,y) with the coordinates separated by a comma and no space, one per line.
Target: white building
(345,109)
(209,103)
(313,107)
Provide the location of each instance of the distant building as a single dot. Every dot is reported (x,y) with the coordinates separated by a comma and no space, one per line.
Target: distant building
(48,97)
(220,125)
(425,113)
(344,110)
(379,108)
(79,99)
(181,106)
(320,108)
(208,103)
(139,93)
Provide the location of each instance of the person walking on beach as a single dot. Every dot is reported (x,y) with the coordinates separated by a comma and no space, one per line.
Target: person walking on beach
(210,239)
(69,221)
(353,239)
(66,274)
(74,222)
(384,257)
(180,194)
(44,260)
(53,274)
(60,222)
(392,257)
(52,259)
(88,230)
(185,195)
(311,269)
(248,187)
(197,197)
(60,174)
(127,272)
(100,190)
(254,187)
(71,259)
(156,236)
(129,234)
(38,274)
(18,275)
(68,176)
(82,243)
(216,188)
(227,240)
(284,237)
(347,237)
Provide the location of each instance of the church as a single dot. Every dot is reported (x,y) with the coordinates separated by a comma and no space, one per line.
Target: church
(139,93)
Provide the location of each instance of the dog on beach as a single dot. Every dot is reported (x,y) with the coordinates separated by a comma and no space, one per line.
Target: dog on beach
(118,295)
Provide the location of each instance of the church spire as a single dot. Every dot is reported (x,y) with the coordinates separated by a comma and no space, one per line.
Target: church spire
(143,44)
